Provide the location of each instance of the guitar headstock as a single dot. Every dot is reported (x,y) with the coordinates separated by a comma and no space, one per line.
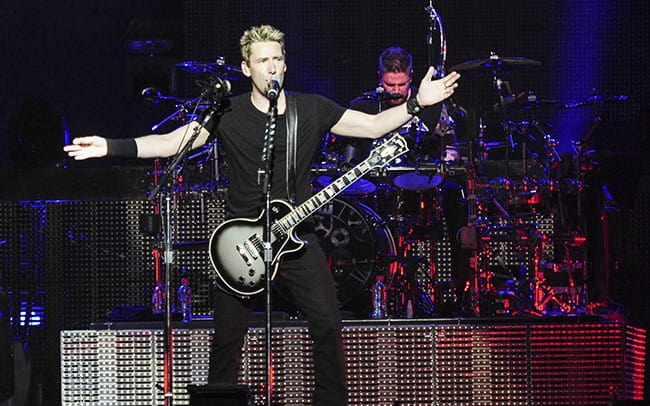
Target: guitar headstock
(388,150)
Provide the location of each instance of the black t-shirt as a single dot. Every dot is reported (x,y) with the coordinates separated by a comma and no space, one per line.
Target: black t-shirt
(241,132)
(370,104)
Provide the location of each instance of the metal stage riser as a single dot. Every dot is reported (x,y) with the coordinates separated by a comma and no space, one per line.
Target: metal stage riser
(500,363)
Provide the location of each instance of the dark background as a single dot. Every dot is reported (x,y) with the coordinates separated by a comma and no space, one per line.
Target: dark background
(65,71)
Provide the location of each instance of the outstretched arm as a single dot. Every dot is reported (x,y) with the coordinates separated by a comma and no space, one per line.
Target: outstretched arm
(357,124)
(148,146)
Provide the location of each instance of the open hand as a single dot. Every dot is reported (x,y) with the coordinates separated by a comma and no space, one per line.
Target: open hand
(435,91)
(87,147)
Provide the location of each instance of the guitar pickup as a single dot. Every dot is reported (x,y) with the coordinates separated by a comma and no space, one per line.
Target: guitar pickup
(250,247)
(242,254)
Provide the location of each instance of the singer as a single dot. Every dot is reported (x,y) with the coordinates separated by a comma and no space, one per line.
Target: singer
(241,131)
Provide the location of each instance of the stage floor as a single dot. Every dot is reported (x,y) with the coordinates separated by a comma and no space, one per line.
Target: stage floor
(498,361)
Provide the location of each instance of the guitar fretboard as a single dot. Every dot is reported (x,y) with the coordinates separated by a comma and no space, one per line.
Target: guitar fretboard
(332,190)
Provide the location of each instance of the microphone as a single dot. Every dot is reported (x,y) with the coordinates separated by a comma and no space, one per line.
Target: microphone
(393,96)
(380,94)
(273,90)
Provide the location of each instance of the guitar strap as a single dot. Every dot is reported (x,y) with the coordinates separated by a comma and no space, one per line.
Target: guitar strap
(291,118)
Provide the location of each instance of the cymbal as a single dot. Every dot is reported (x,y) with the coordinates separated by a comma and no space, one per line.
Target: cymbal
(496,64)
(229,72)
(523,101)
(595,100)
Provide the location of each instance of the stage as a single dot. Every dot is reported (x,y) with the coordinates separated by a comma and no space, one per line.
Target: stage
(482,361)
(553,129)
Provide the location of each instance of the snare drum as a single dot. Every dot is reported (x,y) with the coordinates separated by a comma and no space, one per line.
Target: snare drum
(415,177)
(360,187)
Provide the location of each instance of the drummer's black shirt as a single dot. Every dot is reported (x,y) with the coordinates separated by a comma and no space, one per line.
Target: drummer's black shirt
(370,104)
(241,132)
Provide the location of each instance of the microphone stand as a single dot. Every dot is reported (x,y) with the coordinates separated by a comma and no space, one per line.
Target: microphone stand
(167,180)
(435,22)
(264,179)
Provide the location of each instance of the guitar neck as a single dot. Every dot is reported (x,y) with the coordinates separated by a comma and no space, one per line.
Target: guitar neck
(325,195)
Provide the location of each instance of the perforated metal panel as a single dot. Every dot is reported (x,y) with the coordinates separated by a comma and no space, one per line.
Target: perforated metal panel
(536,363)
(195,217)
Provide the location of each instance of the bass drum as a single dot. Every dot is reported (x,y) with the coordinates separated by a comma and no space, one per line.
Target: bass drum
(357,244)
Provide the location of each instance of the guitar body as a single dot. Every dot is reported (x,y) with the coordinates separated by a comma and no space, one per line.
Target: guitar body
(236,251)
(237,247)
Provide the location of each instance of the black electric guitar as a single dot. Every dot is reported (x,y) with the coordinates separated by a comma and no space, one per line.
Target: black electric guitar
(236,246)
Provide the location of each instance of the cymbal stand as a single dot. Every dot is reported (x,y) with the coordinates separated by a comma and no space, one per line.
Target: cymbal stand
(503,91)
(180,114)
(468,235)
(550,144)
(435,22)
(166,181)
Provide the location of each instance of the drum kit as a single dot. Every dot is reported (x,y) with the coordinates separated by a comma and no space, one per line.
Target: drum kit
(526,250)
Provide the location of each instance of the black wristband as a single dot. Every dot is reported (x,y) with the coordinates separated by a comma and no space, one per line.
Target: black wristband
(124,148)
(412,106)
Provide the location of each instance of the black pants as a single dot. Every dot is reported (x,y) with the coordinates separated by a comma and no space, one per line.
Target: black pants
(455,211)
(306,274)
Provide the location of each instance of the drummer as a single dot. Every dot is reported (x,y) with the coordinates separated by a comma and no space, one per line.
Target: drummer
(432,136)
(428,133)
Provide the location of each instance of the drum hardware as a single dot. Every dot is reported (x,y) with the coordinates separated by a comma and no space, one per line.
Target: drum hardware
(495,64)
(547,301)
(481,145)
(324,168)
(553,287)
(526,101)
(154,96)
(360,187)
(410,283)
(595,100)
(526,130)
(357,244)
(423,176)
(184,112)
(418,178)
(218,68)
(201,172)
(213,88)
(514,135)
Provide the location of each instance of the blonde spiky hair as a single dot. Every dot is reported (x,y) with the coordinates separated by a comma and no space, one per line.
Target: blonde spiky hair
(260,33)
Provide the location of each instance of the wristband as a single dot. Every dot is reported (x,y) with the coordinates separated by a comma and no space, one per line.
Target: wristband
(412,106)
(124,148)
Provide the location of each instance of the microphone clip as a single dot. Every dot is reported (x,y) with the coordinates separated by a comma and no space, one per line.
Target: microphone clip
(273,90)
(214,88)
